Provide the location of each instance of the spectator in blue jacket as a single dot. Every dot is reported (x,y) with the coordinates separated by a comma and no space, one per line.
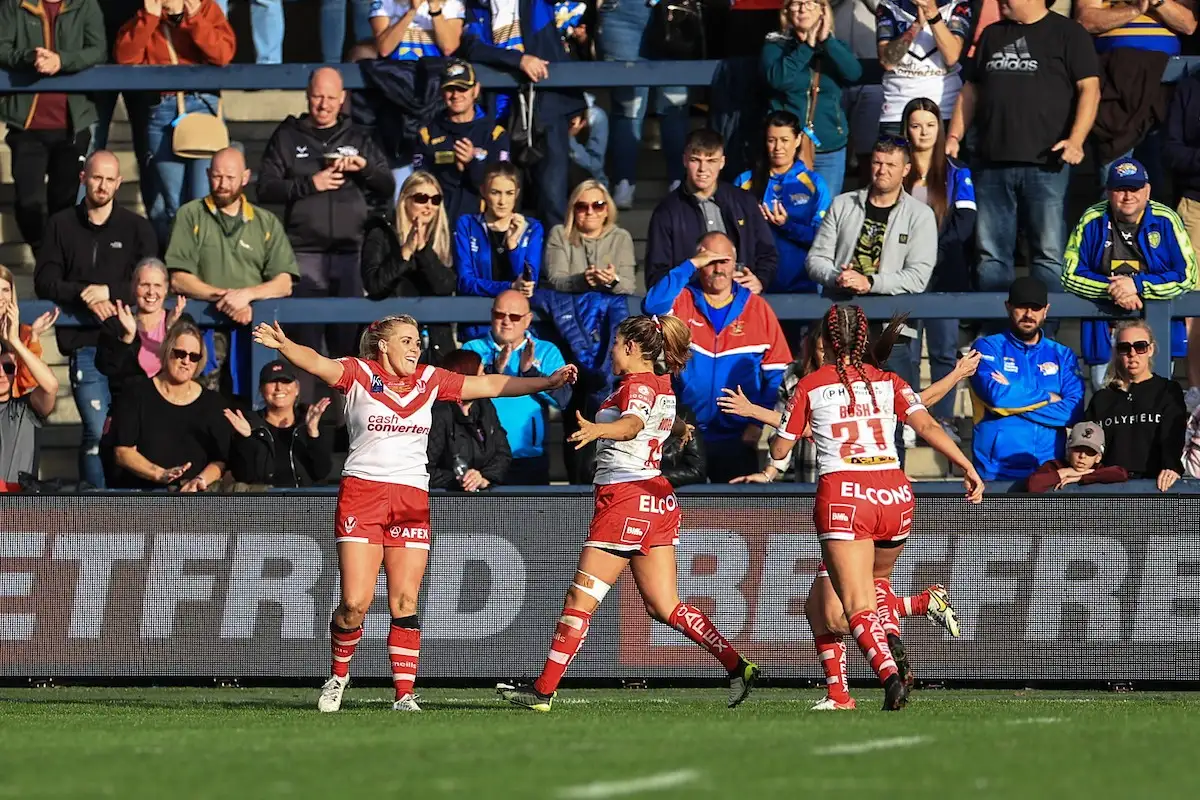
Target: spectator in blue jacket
(703,204)
(1027,390)
(523,35)
(794,200)
(1126,250)
(736,342)
(804,53)
(498,249)
(510,348)
(944,184)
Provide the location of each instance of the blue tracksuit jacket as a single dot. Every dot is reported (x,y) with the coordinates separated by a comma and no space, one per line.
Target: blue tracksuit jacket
(806,197)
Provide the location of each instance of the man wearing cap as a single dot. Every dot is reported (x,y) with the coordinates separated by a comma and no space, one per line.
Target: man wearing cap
(290,449)
(327,173)
(1026,392)
(1085,448)
(1126,250)
(459,143)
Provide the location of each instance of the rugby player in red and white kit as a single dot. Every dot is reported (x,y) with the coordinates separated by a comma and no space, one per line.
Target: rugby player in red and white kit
(636,522)
(864,499)
(383,502)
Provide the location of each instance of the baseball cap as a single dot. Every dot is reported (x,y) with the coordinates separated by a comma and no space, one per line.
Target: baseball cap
(458,74)
(1127,173)
(277,370)
(1089,435)
(1028,291)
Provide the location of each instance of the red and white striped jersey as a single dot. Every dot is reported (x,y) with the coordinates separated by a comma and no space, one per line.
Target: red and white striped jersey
(649,398)
(389,419)
(852,434)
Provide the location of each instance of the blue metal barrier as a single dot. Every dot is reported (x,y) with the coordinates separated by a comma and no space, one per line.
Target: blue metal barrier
(578,74)
(970,306)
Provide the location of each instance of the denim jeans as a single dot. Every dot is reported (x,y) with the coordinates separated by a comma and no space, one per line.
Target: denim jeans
(90,389)
(266,24)
(1033,197)
(550,175)
(832,167)
(179,179)
(941,341)
(137,111)
(621,36)
(590,156)
(333,26)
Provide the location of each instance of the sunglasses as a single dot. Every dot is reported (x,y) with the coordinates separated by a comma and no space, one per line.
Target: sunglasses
(10,368)
(891,141)
(499,315)
(596,207)
(1141,347)
(420,198)
(183,355)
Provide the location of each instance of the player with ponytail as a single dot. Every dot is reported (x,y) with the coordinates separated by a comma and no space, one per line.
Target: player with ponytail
(864,501)
(636,522)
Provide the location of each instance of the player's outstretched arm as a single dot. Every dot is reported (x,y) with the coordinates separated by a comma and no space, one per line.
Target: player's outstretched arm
(623,430)
(928,429)
(477,387)
(305,358)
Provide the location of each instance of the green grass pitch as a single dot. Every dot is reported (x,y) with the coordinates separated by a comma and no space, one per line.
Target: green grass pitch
(267,743)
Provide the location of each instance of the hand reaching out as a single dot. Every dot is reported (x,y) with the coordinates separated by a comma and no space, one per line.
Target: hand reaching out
(563,376)
(735,402)
(239,422)
(271,336)
(588,432)
(967,366)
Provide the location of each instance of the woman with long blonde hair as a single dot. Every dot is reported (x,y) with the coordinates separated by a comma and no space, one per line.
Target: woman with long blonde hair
(1143,415)
(382,513)
(589,252)
(411,256)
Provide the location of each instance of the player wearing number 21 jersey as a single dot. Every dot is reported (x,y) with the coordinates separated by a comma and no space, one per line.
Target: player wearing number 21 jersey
(636,523)
(864,499)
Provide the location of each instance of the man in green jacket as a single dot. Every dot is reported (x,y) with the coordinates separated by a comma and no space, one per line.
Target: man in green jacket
(48,132)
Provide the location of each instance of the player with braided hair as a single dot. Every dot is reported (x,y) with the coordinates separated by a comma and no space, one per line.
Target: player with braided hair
(636,523)
(852,407)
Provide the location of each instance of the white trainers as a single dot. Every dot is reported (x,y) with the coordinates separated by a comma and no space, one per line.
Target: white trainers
(331,694)
(1191,398)
(829,704)
(623,195)
(910,438)
(406,703)
(940,611)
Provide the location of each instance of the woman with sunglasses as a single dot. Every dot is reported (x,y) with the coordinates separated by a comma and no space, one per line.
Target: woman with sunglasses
(169,431)
(497,249)
(382,513)
(590,253)
(1143,415)
(943,184)
(793,200)
(410,256)
(806,69)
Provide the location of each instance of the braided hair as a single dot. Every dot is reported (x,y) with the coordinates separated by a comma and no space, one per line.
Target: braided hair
(848,341)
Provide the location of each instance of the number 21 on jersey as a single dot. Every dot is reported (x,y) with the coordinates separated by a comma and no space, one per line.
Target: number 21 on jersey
(851,432)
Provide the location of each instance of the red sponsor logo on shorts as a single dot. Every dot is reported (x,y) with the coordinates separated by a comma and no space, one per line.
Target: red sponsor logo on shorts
(905,520)
(349,522)
(841,516)
(635,530)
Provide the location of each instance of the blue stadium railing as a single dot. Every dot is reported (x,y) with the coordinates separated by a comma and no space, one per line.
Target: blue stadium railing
(974,306)
(981,306)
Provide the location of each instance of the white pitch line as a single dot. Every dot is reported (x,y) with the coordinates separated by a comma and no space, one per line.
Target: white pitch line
(854,748)
(651,783)
(1034,721)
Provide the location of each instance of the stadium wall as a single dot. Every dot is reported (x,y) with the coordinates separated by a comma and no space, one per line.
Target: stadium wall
(1072,588)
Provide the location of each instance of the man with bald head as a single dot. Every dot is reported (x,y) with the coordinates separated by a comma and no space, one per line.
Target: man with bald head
(85,264)
(226,251)
(737,345)
(510,348)
(328,174)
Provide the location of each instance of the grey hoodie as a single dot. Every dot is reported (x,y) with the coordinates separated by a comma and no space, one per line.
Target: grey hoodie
(910,246)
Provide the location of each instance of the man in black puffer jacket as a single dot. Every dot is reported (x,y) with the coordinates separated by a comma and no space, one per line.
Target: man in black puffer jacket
(327,173)
(468,448)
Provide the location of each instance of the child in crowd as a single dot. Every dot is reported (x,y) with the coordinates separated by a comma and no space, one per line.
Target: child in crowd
(1085,448)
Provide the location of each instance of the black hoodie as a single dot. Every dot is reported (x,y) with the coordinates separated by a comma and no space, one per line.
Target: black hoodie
(322,222)
(1144,426)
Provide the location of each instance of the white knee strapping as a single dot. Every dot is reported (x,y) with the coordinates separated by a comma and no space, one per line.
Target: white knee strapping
(597,590)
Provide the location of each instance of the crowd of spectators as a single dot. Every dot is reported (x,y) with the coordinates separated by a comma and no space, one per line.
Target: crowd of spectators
(964,148)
